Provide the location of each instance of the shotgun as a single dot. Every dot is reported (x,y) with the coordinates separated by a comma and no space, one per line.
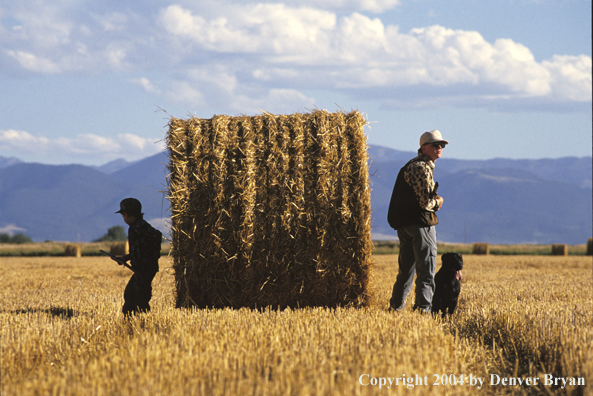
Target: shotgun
(121,262)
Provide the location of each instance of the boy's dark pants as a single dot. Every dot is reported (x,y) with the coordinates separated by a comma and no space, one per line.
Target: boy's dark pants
(138,293)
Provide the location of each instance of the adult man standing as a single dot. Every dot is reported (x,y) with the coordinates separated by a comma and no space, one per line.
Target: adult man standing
(414,202)
(145,251)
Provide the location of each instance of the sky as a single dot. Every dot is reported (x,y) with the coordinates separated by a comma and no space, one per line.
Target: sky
(88,82)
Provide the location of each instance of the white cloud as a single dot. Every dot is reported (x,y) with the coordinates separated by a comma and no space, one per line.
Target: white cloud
(265,29)
(145,84)
(135,142)
(13,139)
(358,52)
(570,77)
(460,57)
(12,229)
(231,54)
(34,63)
(217,86)
(83,147)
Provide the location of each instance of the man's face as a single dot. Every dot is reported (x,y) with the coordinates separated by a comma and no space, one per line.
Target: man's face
(433,150)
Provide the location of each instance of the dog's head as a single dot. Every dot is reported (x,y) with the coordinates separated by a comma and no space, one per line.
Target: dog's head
(453,261)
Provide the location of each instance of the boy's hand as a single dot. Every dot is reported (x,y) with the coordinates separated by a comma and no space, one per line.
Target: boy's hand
(119,260)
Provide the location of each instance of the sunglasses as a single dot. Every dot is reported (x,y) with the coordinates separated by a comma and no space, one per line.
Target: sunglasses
(438,145)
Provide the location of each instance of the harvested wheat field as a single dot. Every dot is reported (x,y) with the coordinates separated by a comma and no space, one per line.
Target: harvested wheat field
(521,319)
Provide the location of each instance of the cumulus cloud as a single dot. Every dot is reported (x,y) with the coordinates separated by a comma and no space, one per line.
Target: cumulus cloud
(570,77)
(239,55)
(83,146)
(359,52)
(264,29)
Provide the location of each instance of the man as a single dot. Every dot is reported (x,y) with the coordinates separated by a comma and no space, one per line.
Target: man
(414,202)
(145,251)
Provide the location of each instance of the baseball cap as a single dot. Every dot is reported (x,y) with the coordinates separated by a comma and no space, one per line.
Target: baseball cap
(130,205)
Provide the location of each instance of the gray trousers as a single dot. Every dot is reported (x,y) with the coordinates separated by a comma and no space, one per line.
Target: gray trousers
(417,256)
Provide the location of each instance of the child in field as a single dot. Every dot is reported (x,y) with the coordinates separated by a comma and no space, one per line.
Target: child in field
(145,251)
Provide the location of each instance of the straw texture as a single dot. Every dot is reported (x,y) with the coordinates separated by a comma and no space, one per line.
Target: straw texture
(270,210)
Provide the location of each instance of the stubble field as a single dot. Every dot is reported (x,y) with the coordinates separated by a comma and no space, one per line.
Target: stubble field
(519,318)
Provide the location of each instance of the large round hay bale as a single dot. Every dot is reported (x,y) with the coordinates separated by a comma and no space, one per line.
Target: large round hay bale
(559,250)
(72,250)
(480,248)
(270,210)
(119,248)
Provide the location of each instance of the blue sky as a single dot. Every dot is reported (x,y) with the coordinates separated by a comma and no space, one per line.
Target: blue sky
(86,82)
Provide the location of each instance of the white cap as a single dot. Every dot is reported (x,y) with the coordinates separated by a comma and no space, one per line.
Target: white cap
(432,137)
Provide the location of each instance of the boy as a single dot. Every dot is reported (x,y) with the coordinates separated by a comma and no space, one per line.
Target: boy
(145,251)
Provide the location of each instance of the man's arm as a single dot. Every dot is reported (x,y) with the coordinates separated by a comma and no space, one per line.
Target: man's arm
(420,178)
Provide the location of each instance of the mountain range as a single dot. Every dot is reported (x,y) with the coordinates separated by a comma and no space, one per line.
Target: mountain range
(502,201)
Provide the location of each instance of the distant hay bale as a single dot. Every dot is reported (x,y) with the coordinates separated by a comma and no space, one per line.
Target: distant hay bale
(270,210)
(590,247)
(72,250)
(559,250)
(119,248)
(480,248)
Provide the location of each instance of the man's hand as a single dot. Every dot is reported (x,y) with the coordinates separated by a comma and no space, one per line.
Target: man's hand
(440,201)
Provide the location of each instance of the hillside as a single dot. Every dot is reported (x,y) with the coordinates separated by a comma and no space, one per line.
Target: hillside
(496,201)
(70,202)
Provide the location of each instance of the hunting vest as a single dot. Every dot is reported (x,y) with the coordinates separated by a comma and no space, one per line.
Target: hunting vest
(404,208)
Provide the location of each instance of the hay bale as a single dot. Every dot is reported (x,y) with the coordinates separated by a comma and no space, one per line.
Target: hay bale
(72,250)
(590,247)
(270,210)
(119,248)
(559,250)
(480,248)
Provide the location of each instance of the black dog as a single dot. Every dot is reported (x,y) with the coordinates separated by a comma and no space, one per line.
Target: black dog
(447,286)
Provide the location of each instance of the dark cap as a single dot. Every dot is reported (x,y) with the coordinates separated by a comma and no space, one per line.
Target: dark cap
(453,261)
(131,206)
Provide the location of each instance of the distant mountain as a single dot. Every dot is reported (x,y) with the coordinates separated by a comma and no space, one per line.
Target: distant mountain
(8,161)
(113,166)
(495,201)
(498,200)
(151,171)
(574,170)
(70,202)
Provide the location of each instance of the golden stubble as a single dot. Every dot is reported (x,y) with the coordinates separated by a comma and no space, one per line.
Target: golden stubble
(62,333)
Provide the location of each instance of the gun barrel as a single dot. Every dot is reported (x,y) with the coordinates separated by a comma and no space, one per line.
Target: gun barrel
(117,259)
